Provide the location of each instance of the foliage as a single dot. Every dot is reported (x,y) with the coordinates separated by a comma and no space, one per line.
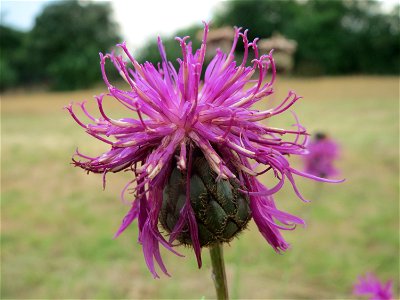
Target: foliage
(334,37)
(62,48)
(67,38)
(262,18)
(150,51)
(10,56)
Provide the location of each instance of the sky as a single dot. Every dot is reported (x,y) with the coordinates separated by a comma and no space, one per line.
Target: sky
(139,20)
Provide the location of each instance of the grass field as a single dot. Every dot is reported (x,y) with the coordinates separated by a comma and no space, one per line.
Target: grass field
(58,224)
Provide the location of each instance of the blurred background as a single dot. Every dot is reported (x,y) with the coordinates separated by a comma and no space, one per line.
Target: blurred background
(57,223)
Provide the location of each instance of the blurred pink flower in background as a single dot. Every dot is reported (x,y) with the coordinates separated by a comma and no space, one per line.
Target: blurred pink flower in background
(371,286)
(323,151)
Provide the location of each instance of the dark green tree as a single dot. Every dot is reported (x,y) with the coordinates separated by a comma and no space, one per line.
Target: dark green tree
(322,38)
(262,18)
(11,56)
(64,44)
(149,52)
(379,47)
(334,37)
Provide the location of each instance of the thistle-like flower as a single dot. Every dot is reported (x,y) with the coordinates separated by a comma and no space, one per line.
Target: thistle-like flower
(323,151)
(371,286)
(196,146)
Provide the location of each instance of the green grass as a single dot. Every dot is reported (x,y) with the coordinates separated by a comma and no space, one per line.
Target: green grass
(58,223)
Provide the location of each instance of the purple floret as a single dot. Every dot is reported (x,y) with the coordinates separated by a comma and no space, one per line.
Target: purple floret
(171,112)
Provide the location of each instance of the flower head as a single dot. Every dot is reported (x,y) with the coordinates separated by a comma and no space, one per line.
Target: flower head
(323,151)
(372,287)
(185,137)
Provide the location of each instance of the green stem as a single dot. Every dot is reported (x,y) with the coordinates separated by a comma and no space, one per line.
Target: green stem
(218,271)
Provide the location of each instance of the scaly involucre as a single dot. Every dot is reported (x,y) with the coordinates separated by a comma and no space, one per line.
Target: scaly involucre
(177,112)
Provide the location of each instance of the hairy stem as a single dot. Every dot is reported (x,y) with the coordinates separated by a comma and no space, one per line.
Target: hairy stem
(218,271)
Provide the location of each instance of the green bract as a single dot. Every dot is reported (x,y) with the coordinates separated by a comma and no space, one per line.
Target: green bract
(221,210)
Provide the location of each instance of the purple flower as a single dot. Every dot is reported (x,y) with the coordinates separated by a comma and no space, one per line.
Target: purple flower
(173,114)
(323,151)
(370,286)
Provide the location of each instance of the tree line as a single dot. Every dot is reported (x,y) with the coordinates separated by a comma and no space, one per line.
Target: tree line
(334,37)
(61,51)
